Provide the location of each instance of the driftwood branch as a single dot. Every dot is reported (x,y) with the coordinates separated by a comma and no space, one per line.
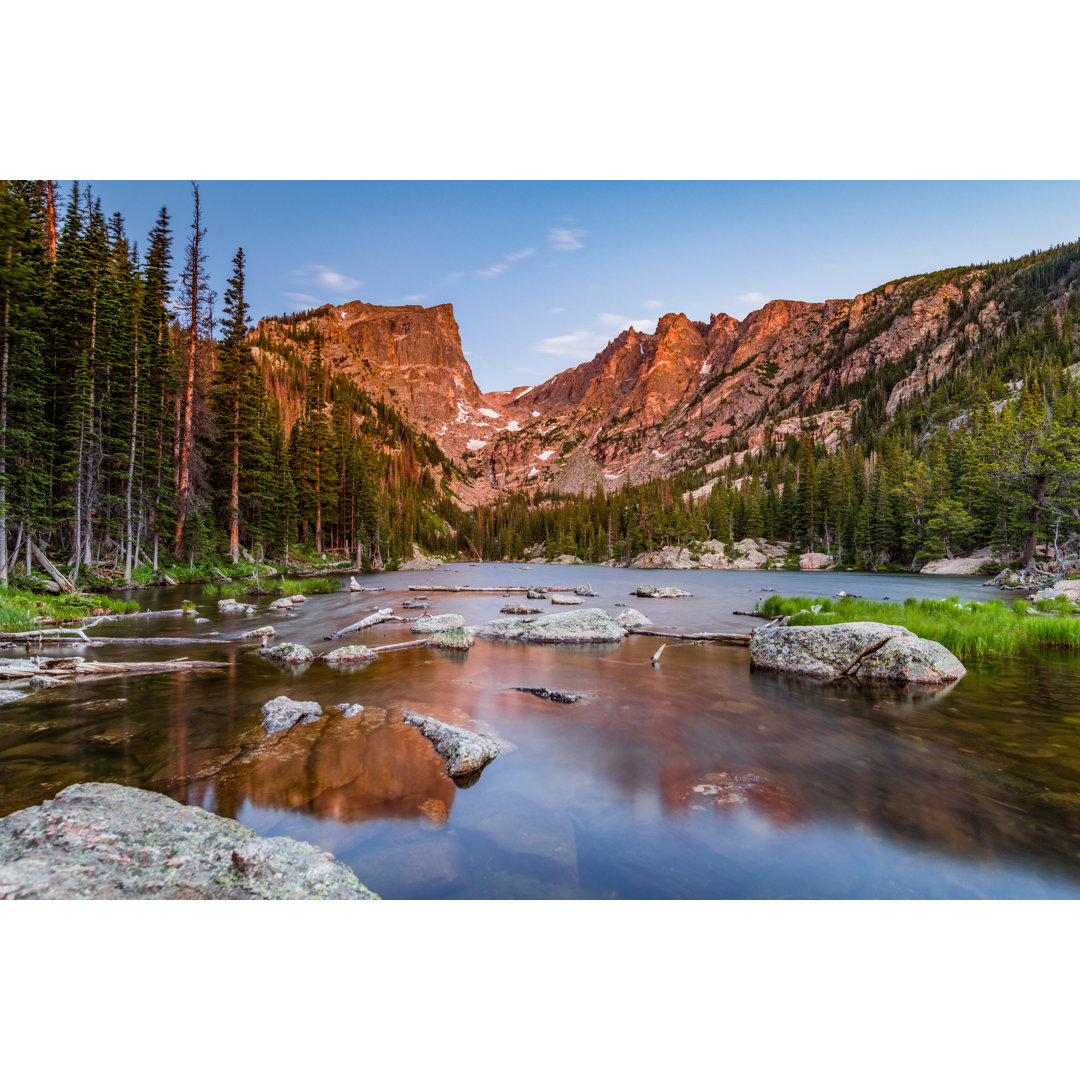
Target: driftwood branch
(380,616)
(75,668)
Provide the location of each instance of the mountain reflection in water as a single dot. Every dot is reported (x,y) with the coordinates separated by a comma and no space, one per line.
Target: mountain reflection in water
(695,778)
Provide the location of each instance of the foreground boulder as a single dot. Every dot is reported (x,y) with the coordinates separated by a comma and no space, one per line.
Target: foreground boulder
(110,842)
(432,624)
(465,752)
(282,712)
(862,650)
(659,592)
(349,654)
(587,626)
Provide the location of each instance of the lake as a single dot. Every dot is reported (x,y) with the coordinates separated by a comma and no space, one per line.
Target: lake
(692,779)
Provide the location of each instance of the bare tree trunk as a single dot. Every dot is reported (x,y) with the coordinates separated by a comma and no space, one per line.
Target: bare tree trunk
(128,542)
(3,432)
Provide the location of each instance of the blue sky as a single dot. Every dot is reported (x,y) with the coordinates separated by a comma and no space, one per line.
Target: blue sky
(542,275)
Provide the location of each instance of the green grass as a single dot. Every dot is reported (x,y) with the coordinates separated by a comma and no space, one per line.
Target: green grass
(21,609)
(971,630)
(271,587)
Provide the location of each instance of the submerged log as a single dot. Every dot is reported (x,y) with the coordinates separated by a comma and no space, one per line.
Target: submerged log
(418,644)
(723,639)
(380,616)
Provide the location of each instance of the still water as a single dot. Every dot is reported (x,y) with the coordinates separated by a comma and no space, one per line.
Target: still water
(694,779)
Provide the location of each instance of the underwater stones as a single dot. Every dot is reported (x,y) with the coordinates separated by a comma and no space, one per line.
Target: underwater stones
(349,709)
(563,697)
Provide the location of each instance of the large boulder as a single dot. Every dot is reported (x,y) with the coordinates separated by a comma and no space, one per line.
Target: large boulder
(666,558)
(587,626)
(432,624)
(110,842)
(862,650)
(659,592)
(754,559)
(465,752)
(815,560)
(744,547)
(282,712)
(1066,587)
(971,565)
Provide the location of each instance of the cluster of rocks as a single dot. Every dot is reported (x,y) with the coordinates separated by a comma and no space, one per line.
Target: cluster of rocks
(287,603)
(746,554)
(659,592)
(229,606)
(110,842)
(519,609)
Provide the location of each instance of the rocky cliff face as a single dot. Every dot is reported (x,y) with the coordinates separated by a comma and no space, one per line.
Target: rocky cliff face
(690,393)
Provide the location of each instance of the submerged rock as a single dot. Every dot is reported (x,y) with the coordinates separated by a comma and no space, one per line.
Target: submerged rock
(631,618)
(432,624)
(658,592)
(299,598)
(350,654)
(288,652)
(563,697)
(261,631)
(230,606)
(585,590)
(536,594)
(456,638)
(8,696)
(414,604)
(519,609)
(349,710)
(110,842)
(862,650)
(590,625)
(45,682)
(282,712)
(465,752)
(282,604)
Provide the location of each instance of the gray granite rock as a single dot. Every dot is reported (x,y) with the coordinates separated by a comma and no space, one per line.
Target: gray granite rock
(862,650)
(465,752)
(589,625)
(282,712)
(288,652)
(350,654)
(431,624)
(110,842)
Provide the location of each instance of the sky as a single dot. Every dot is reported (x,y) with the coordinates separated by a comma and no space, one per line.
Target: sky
(542,275)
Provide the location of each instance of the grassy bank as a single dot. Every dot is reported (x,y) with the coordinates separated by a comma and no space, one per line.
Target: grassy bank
(24,610)
(273,587)
(970,630)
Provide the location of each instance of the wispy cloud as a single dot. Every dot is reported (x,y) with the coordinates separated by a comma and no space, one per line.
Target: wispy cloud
(756,299)
(327,278)
(565,239)
(577,345)
(301,298)
(618,323)
(524,253)
(492,271)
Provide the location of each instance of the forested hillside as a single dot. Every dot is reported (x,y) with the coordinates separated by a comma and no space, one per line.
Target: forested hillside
(137,433)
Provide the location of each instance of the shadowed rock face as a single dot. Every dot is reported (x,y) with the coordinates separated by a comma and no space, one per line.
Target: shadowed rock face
(864,650)
(106,841)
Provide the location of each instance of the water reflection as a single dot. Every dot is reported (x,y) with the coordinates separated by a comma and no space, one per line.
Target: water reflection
(696,778)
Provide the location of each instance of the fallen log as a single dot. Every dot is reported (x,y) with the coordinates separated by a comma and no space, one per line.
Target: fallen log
(131,615)
(397,646)
(95,640)
(73,668)
(49,568)
(493,588)
(380,616)
(723,639)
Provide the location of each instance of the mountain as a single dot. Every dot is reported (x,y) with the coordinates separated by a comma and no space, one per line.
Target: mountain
(693,392)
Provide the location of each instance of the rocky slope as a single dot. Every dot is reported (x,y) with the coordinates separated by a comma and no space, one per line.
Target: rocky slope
(692,392)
